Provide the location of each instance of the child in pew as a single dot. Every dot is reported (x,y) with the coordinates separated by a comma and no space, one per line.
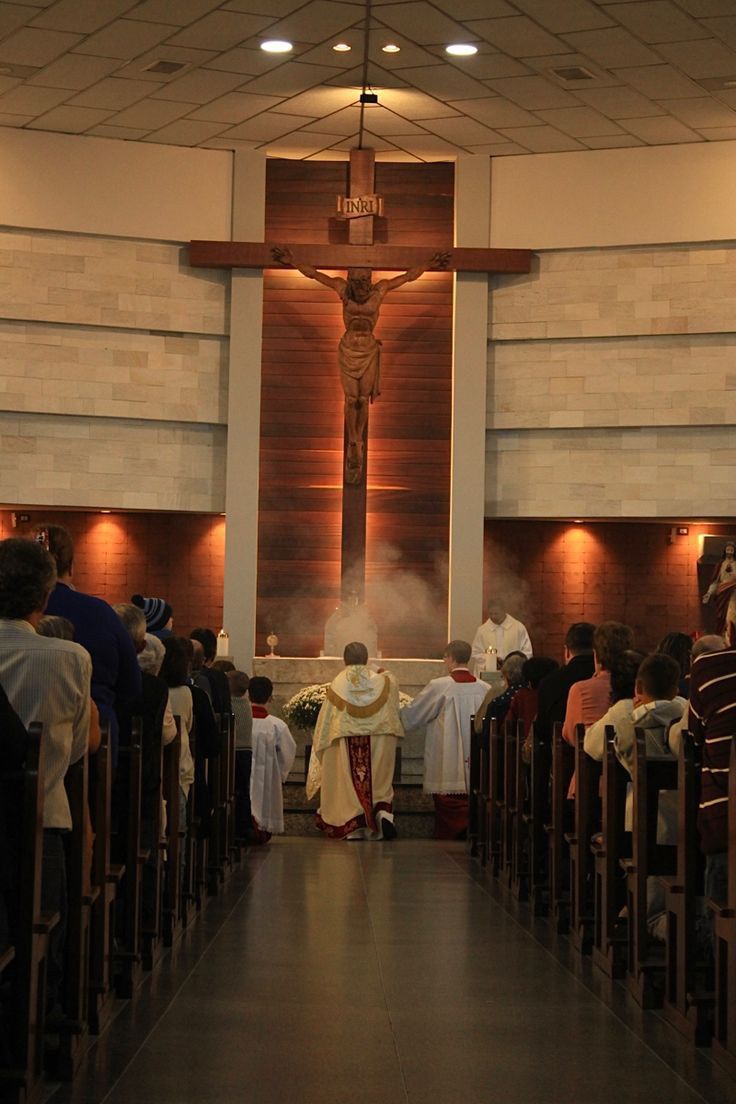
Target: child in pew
(655,706)
(243,714)
(274,750)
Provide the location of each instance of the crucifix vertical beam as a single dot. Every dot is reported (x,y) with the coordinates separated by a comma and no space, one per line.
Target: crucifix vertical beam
(354,495)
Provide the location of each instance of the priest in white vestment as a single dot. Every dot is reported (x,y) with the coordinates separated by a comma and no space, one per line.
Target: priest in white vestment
(502,632)
(354,751)
(445,706)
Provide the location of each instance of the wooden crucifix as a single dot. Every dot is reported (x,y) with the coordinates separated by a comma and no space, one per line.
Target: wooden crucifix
(358,350)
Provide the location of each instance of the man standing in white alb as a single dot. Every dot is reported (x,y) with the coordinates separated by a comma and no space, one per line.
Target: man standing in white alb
(445,706)
(502,632)
(354,751)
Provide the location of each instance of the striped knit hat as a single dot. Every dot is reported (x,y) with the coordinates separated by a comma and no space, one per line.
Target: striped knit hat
(156,610)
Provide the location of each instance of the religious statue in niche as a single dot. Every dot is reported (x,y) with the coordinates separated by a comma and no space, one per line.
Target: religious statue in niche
(723,588)
(359,351)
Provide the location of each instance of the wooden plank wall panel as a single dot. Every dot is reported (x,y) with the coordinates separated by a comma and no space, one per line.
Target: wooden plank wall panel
(302,420)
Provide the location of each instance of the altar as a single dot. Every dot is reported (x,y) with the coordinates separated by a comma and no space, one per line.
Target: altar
(292,673)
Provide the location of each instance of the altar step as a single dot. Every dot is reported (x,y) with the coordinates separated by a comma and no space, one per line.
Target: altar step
(413,809)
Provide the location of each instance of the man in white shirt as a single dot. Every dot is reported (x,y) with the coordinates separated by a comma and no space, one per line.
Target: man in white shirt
(445,706)
(502,632)
(47,680)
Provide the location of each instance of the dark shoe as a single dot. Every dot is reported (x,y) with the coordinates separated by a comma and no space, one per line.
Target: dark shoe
(388,829)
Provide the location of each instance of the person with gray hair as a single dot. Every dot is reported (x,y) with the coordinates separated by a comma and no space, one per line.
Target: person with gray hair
(495,706)
(445,706)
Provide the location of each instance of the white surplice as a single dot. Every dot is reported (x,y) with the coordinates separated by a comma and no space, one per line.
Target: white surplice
(507,636)
(445,706)
(274,750)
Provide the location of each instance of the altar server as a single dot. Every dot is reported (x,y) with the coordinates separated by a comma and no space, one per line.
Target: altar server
(445,706)
(502,632)
(274,750)
(354,751)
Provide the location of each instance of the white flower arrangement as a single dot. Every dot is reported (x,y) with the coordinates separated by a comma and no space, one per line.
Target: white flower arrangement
(302,709)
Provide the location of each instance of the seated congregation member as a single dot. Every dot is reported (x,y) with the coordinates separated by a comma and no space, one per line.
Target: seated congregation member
(175,671)
(680,646)
(13,742)
(51,625)
(494,706)
(158,613)
(219,686)
(704,645)
(116,678)
(274,750)
(46,680)
(622,679)
(502,632)
(588,700)
(207,745)
(555,687)
(354,751)
(445,706)
(243,715)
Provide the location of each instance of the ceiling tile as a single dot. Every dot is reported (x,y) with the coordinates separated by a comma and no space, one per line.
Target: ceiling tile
(16,120)
(662,131)
(723,28)
(290,79)
(697,113)
(613,46)
(541,139)
(414,105)
(128,134)
(385,122)
(533,92)
(13,16)
(114,94)
(728,96)
(319,101)
(228,143)
(185,132)
(6,83)
(139,68)
(615,141)
(28,99)
(342,155)
(180,14)
(377,78)
(423,23)
(494,111)
(323,54)
(274,8)
(75,71)
(126,38)
(490,65)
(599,77)
(658,21)
(444,82)
(719,134)
(299,144)
(499,149)
(619,103)
(199,86)
(250,62)
(69,120)
(661,82)
(519,36)
(429,148)
(34,46)
(476,9)
(316,21)
(464,132)
(706,58)
(700,8)
(342,122)
(564,16)
(579,122)
(392,156)
(265,127)
(234,108)
(373,140)
(221,30)
(150,114)
(82,16)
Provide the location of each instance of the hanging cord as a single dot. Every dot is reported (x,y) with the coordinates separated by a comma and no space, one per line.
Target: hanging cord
(366,37)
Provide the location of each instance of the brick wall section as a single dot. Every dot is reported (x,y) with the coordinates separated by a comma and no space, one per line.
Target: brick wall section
(179,557)
(554,573)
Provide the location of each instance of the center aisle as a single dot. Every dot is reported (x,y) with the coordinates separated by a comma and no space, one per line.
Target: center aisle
(358,973)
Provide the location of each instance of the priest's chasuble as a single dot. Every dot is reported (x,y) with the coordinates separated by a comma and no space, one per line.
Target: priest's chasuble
(354,752)
(445,706)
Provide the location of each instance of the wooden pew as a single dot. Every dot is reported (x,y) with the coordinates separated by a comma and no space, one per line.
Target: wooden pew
(20,1083)
(215,857)
(473,790)
(508,809)
(226,803)
(520,825)
(645,962)
(128,953)
(610,931)
(724,920)
(587,818)
(152,834)
(188,833)
(106,878)
(484,784)
(560,823)
(536,818)
(171,896)
(495,800)
(688,1005)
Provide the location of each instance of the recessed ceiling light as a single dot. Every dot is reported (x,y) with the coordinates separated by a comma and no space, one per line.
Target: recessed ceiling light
(276,46)
(391,48)
(461,49)
(342,47)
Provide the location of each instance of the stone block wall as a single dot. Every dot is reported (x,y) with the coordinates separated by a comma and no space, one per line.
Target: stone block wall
(113,374)
(611,391)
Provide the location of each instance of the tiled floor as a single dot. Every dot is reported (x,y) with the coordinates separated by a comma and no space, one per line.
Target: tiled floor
(349,973)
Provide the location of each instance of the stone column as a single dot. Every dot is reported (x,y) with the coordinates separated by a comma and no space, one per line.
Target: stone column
(470,346)
(244,413)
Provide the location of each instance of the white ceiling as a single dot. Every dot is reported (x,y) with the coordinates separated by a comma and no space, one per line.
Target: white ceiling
(660,72)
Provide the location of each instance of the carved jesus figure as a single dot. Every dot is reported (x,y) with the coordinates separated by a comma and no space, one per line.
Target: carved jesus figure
(359,351)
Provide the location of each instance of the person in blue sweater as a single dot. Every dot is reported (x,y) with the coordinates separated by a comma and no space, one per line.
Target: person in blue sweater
(116,676)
